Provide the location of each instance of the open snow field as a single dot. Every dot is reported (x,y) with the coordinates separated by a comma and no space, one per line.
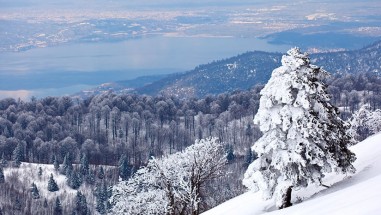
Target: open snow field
(356,194)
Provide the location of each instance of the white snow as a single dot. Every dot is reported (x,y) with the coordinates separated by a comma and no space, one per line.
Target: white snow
(28,173)
(355,195)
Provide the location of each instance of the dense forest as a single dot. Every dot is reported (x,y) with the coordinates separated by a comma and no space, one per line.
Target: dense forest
(126,130)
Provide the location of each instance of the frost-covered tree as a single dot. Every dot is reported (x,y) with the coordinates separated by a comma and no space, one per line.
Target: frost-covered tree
(52,185)
(365,122)
(173,184)
(303,137)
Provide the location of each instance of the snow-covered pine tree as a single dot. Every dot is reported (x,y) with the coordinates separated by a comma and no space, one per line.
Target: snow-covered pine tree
(303,137)
(52,185)
(34,191)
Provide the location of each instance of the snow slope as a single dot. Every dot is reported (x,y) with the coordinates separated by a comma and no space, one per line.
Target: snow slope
(357,194)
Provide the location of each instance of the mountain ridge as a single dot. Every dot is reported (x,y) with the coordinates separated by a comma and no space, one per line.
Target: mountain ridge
(246,70)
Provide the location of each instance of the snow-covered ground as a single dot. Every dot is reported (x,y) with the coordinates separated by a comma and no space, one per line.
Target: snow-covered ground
(28,173)
(357,194)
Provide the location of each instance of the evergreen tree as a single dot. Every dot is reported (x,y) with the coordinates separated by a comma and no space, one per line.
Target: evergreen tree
(124,168)
(3,161)
(34,191)
(102,196)
(67,165)
(90,177)
(52,185)
(74,181)
(45,204)
(55,163)
(230,153)
(57,207)
(84,168)
(303,137)
(2,177)
(81,204)
(248,157)
(100,206)
(101,173)
(18,154)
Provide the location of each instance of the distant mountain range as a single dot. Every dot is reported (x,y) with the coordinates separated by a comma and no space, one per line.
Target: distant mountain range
(243,72)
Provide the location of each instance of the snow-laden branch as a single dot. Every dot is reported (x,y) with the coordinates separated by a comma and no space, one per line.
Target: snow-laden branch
(171,185)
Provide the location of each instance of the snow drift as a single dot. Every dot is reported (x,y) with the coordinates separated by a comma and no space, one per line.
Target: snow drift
(352,194)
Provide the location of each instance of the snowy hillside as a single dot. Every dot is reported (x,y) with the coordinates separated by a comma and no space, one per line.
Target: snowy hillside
(356,194)
(19,181)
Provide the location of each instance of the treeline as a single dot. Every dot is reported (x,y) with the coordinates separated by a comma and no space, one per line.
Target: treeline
(107,126)
(352,91)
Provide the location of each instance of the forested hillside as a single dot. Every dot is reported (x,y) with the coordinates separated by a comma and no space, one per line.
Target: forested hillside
(251,68)
(125,130)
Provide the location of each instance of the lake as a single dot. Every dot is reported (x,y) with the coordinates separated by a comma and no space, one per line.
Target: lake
(68,68)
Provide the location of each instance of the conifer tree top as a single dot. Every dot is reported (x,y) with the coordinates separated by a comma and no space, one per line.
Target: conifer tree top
(295,58)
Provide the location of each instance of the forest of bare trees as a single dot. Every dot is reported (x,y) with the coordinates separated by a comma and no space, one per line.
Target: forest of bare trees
(107,127)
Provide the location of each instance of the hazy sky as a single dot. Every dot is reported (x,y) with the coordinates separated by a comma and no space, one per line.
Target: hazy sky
(122,3)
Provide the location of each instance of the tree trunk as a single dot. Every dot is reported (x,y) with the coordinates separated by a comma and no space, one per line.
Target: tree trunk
(286,198)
